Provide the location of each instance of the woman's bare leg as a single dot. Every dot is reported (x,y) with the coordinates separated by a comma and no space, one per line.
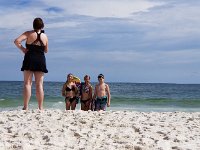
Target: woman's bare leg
(27,88)
(39,78)
(82,106)
(88,105)
(67,105)
(73,105)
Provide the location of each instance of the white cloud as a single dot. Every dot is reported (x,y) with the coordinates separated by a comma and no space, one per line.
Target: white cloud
(104,8)
(23,18)
(175,57)
(175,20)
(63,24)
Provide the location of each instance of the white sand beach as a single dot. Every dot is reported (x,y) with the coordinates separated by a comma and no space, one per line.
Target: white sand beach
(78,130)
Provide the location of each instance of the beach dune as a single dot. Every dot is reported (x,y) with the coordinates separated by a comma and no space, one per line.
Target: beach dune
(57,129)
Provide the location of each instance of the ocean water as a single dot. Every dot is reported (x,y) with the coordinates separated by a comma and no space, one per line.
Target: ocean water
(160,97)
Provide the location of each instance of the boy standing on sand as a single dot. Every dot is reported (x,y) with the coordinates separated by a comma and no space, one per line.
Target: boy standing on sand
(101,94)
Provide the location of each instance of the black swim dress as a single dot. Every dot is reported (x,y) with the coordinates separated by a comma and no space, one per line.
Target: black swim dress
(34,59)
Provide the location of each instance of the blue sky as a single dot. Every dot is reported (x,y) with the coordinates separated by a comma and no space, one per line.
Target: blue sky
(142,41)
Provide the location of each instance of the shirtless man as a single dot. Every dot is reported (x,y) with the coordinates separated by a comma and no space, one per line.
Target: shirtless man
(101,94)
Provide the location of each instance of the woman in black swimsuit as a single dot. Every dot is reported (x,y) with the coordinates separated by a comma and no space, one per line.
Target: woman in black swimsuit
(34,63)
(70,91)
(86,94)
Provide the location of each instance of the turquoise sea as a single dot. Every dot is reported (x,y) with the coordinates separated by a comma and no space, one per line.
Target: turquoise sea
(125,96)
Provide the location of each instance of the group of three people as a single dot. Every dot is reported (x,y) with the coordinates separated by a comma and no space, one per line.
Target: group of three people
(34,64)
(84,91)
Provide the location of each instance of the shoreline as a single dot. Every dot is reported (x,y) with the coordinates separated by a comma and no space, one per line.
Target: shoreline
(146,109)
(58,129)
